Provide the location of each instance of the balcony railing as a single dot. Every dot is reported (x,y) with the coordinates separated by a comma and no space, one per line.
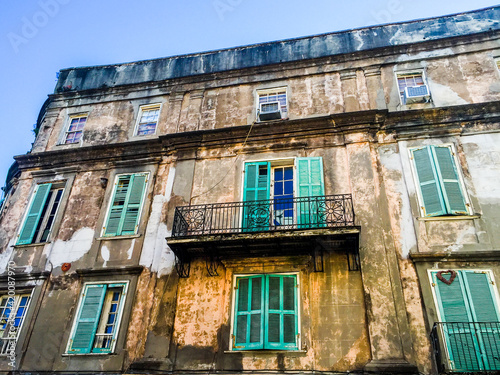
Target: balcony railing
(467,347)
(329,211)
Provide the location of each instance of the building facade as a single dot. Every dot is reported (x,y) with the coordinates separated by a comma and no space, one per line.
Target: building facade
(322,204)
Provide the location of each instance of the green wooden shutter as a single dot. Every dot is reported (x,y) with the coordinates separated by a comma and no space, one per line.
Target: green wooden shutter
(484,310)
(249,313)
(454,308)
(310,184)
(126,204)
(449,180)
(133,204)
(34,214)
(281,321)
(256,216)
(430,188)
(87,319)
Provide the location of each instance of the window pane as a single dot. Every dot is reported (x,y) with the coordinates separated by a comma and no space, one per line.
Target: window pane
(256,293)
(273,334)
(241,331)
(289,293)
(274,293)
(255,321)
(242,294)
(289,328)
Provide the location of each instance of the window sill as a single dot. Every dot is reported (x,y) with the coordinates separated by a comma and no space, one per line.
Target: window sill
(449,218)
(118,237)
(30,245)
(265,351)
(86,354)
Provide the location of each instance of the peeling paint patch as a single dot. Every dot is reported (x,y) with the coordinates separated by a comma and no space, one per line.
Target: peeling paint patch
(105,255)
(72,250)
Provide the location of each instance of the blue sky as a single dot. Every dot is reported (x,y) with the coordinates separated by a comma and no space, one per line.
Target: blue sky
(40,37)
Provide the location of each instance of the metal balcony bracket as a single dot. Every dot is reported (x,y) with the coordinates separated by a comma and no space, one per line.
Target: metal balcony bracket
(317,255)
(182,266)
(212,262)
(353,263)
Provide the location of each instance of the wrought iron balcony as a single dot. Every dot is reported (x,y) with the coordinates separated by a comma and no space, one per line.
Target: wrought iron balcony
(467,347)
(265,215)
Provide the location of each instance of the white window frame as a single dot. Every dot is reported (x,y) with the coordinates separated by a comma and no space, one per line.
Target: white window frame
(142,109)
(412,72)
(121,308)
(272,90)
(6,348)
(467,202)
(299,309)
(68,124)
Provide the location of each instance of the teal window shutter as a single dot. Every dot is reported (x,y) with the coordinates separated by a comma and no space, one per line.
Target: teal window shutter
(133,204)
(249,313)
(281,323)
(430,190)
(126,205)
(469,299)
(449,180)
(439,181)
(310,184)
(34,213)
(87,319)
(256,187)
(484,308)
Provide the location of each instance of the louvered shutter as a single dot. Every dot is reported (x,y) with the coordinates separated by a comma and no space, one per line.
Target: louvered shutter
(484,310)
(34,213)
(126,205)
(256,216)
(449,180)
(88,319)
(310,184)
(281,322)
(430,188)
(117,206)
(454,308)
(249,313)
(133,204)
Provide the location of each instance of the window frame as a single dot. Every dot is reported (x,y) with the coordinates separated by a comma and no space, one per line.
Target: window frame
(282,162)
(410,72)
(259,92)
(42,220)
(461,182)
(112,198)
(142,109)
(298,307)
(121,283)
(5,348)
(67,131)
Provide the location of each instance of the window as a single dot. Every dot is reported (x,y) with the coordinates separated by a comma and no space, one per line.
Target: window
(266,312)
(412,87)
(497,61)
(75,129)
(126,204)
(12,312)
(270,189)
(98,318)
(147,119)
(469,312)
(441,190)
(41,214)
(272,104)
